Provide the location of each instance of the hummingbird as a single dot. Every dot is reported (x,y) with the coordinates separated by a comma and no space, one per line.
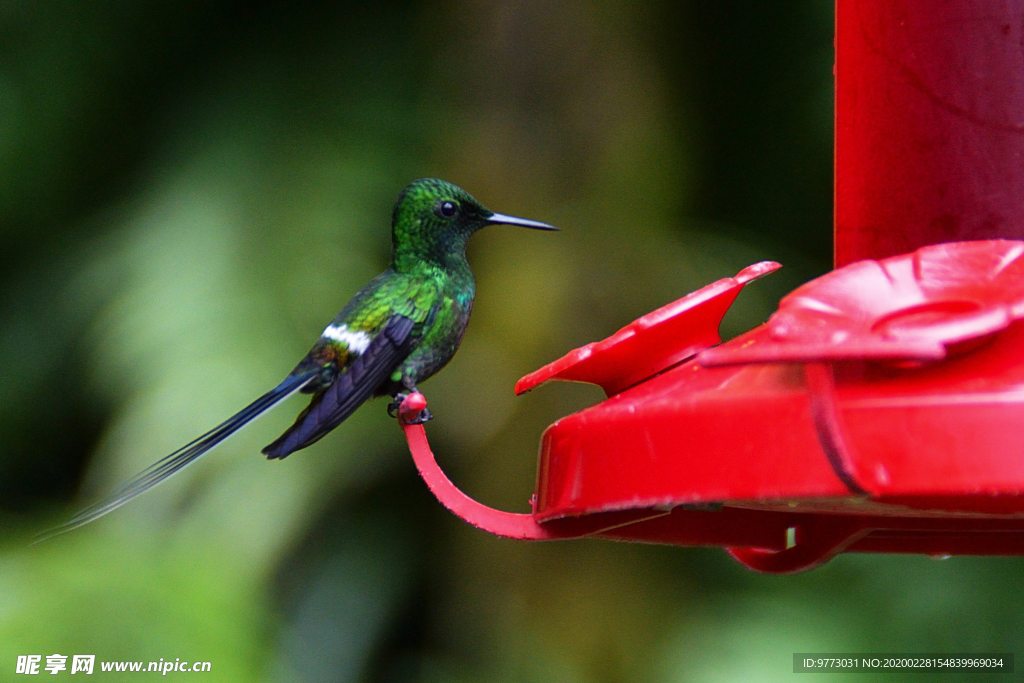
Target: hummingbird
(397,331)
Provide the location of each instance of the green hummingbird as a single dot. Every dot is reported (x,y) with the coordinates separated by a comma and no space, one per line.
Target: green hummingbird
(400,329)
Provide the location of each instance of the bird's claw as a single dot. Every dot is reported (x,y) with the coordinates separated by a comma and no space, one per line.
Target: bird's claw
(395,406)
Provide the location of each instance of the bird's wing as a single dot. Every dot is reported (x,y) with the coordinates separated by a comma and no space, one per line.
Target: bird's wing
(182,457)
(360,379)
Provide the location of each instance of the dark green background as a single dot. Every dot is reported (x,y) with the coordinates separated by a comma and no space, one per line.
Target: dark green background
(190,190)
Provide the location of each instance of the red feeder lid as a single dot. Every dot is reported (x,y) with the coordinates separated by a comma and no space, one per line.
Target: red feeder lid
(873,412)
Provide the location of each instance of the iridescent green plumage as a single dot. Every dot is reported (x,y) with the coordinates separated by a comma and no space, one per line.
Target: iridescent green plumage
(400,329)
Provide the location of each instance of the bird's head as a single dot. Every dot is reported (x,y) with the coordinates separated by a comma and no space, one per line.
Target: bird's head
(433,219)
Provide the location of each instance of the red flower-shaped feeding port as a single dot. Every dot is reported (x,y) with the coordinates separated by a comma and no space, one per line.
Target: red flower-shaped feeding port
(917,307)
(876,411)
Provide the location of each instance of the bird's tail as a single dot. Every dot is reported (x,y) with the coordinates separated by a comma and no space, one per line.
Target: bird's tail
(187,454)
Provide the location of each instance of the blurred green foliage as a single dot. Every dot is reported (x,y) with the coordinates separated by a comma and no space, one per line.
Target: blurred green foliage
(190,190)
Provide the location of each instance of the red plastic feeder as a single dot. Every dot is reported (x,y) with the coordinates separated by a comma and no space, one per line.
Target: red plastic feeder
(877,410)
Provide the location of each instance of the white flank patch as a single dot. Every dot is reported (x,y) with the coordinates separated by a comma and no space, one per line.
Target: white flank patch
(355,341)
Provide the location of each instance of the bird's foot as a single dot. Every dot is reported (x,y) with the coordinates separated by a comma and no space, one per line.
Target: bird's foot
(395,410)
(396,404)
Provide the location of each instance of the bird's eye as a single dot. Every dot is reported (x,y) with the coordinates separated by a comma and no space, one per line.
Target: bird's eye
(446,208)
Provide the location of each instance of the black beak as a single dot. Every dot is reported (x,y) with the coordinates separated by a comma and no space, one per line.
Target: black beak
(502,219)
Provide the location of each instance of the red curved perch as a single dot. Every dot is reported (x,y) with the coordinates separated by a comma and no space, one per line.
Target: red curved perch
(520,526)
(507,524)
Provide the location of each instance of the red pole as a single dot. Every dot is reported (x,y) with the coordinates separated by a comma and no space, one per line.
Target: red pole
(929,124)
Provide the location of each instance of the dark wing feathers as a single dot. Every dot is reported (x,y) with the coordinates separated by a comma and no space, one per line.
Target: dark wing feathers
(182,457)
(354,386)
